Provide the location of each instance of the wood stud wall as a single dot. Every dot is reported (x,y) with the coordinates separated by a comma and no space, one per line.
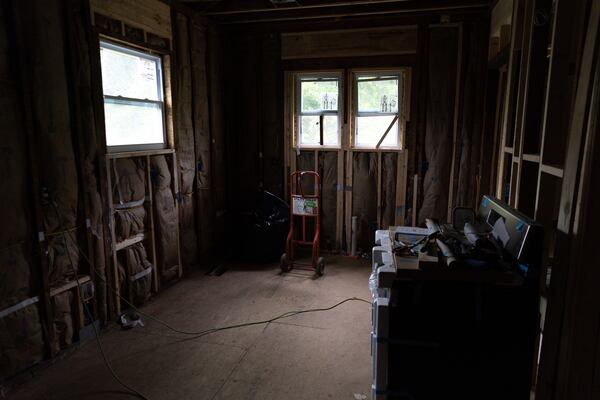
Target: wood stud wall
(533,83)
(345,162)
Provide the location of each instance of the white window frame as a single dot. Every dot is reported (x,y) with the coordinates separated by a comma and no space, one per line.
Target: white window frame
(403,89)
(298,77)
(132,100)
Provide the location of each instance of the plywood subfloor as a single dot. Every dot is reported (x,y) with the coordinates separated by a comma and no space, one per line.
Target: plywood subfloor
(310,356)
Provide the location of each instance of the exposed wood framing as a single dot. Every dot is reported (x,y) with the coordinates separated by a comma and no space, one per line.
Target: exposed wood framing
(149,235)
(557,347)
(345,155)
(401,182)
(511,89)
(456,123)
(46,312)
(379,173)
(175,187)
(350,42)
(288,147)
(530,66)
(69,285)
(150,15)
(415,197)
(339,218)
(348,198)
(114,273)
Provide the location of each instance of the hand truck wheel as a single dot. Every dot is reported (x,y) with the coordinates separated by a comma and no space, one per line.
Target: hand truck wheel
(320,270)
(284,263)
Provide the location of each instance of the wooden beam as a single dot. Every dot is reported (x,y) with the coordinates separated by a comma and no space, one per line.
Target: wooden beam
(339,218)
(113,263)
(150,15)
(175,187)
(400,207)
(356,10)
(349,43)
(97,98)
(456,123)
(149,194)
(558,329)
(415,196)
(511,89)
(378,201)
(69,285)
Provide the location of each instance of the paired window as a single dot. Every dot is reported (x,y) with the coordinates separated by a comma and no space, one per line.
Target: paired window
(318,110)
(377,110)
(134,112)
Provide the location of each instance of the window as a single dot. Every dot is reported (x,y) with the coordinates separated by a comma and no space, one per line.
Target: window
(133,98)
(317,110)
(379,120)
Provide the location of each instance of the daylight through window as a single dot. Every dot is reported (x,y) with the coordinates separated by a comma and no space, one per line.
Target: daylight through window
(133,98)
(378,110)
(317,109)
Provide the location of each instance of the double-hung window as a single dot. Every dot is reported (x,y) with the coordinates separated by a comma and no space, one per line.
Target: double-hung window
(378,110)
(317,110)
(134,110)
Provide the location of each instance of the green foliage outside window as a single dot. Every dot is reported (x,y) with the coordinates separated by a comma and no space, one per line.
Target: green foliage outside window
(319,95)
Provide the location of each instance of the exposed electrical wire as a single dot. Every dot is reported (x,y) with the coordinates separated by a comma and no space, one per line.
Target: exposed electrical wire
(65,234)
(133,391)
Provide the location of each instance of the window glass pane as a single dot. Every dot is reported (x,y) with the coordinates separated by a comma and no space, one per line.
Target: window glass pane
(310,131)
(330,132)
(128,74)
(133,123)
(378,94)
(319,95)
(370,129)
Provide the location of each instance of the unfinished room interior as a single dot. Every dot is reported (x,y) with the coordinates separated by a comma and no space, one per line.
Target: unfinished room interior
(299,199)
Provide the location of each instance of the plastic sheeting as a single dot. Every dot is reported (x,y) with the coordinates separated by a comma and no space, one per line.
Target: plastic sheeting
(364,198)
(328,171)
(134,260)
(201,120)
(388,189)
(472,110)
(184,140)
(41,33)
(129,222)
(15,268)
(22,340)
(165,219)
(63,320)
(130,187)
(83,111)
(441,91)
(50,110)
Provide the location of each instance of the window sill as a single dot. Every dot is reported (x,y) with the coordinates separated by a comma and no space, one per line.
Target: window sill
(308,148)
(138,153)
(374,149)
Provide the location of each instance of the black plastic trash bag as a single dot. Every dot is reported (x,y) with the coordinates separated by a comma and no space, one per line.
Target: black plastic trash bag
(264,228)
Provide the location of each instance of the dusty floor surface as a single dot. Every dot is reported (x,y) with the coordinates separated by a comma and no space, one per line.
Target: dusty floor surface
(323,355)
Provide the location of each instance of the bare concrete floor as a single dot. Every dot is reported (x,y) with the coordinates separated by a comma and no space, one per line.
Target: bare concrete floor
(323,355)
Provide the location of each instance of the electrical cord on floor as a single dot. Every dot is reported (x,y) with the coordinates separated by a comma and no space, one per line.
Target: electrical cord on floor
(196,333)
(163,323)
(130,389)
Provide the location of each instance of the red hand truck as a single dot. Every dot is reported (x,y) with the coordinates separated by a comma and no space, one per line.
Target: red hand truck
(304,206)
